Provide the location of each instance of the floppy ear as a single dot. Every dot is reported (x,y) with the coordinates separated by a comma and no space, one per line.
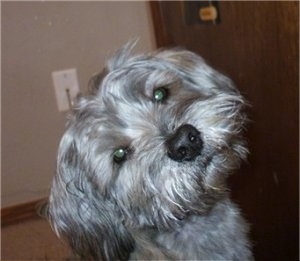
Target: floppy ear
(88,220)
(95,82)
(118,60)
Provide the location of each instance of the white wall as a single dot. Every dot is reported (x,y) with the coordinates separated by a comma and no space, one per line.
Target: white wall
(38,38)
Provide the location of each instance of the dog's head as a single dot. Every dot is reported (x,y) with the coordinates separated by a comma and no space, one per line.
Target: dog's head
(152,145)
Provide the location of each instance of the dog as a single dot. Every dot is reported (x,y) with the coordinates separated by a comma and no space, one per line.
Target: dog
(142,166)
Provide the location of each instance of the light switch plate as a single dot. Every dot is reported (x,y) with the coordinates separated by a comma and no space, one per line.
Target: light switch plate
(66,88)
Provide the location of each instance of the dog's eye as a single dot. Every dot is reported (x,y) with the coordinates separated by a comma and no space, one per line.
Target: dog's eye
(160,94)
(120,155)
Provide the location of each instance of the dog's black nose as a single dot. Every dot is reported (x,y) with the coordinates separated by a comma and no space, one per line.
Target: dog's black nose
(185,144)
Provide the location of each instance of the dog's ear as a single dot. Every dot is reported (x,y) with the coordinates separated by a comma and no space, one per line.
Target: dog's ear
(118,59)
(95,82)
(86,218)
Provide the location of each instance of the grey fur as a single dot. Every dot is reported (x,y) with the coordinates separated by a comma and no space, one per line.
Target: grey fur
(150,206)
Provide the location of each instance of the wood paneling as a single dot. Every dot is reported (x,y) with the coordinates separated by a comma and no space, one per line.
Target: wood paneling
(256,44)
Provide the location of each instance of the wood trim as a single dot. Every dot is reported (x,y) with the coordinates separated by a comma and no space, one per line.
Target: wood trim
(160,32)
(10,215)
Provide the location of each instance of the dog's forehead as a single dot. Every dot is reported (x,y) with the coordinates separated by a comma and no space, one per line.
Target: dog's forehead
(133,119)
(137,77)
(116,120)
(142,73)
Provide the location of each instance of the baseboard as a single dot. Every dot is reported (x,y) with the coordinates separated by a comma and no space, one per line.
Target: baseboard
(10,215)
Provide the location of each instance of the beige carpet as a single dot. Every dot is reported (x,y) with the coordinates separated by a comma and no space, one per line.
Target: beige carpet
(32,240)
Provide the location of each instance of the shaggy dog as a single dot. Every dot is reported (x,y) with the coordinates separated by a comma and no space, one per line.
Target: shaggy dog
(142,166)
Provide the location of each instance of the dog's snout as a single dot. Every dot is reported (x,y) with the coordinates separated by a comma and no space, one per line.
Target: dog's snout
(185,144)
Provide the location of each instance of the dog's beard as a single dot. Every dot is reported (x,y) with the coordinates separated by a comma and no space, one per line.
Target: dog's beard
(150,188)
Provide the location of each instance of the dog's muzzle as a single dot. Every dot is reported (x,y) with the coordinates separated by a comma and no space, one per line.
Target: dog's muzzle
(185,144)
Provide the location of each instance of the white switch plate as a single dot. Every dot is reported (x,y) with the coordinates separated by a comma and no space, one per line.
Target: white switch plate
(66,88)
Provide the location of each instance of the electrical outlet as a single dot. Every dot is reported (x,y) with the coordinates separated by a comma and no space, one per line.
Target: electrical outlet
(66,88)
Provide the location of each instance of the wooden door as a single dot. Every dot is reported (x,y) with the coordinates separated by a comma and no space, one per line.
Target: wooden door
(255,44)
